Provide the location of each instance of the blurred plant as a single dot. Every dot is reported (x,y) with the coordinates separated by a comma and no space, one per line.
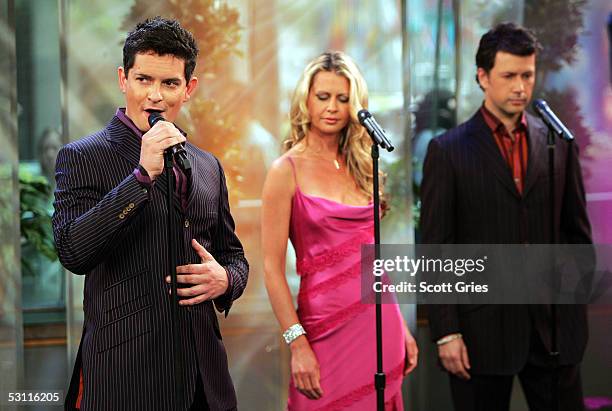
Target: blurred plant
(215,27)
(36,234)
(557,24)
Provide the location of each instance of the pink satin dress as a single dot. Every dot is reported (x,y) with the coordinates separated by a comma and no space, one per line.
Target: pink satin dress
(327,237)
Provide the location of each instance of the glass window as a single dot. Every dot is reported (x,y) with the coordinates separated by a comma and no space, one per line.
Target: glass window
(11,342)
(40,138)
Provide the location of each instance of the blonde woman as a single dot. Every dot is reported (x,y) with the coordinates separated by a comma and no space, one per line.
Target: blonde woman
(319,195)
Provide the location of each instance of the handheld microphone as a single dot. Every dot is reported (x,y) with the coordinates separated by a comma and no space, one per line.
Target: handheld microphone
(551,120)
(154,117)
(178,151)
(374,130)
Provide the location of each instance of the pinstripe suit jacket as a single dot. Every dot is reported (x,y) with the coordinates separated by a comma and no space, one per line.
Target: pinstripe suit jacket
(469,197)
(112,230)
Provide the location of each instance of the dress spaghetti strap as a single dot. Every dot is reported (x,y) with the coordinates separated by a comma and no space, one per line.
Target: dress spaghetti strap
(293,169)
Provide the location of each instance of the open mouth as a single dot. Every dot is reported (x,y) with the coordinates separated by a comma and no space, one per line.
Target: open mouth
(154,110)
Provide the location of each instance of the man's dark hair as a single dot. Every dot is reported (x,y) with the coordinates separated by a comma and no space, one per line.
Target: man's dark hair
(509,38)
(161,36)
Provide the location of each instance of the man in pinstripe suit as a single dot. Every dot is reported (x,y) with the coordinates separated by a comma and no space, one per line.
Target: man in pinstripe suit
(486,182)
(110,225)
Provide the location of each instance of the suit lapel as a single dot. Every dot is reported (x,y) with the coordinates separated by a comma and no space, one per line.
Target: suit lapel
(484,143)
(538,159)
(125,142)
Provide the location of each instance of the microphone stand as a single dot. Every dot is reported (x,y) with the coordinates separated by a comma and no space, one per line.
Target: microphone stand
(555,127)
(170,155)
(171,233)
(378,138)
(380,377)
(554,349)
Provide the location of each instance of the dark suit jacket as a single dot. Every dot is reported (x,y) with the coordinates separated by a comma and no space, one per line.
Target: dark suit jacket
(112,230)
(469,197)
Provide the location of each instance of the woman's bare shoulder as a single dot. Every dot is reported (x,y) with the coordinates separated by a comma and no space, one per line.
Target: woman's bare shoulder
(281,173)
(292,158)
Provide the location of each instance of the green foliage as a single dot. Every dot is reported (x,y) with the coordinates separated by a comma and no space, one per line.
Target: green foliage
(6,198)
(36,233)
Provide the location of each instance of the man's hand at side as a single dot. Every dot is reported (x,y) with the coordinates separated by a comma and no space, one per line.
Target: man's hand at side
(454,358)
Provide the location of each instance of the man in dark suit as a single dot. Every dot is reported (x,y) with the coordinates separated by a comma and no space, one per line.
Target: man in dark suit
(110,225)
(486,182)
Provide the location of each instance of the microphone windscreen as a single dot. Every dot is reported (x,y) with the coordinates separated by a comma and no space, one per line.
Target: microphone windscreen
(362,115)
(539,105)
(154,117)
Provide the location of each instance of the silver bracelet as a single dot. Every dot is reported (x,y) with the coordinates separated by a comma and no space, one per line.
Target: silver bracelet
(293,332)
(449,338)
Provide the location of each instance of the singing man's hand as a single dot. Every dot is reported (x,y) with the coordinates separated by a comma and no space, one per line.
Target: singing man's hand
(208,279)
(161,136)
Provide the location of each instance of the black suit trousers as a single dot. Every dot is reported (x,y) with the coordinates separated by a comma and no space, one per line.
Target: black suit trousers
(199,397)
(493,392)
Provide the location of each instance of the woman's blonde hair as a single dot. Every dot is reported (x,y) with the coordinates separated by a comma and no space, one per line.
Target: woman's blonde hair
(355,144)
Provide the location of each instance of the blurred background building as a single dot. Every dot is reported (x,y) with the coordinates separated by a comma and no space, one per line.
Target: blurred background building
(58,82)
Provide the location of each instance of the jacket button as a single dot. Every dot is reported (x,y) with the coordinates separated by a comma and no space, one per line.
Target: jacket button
(131,206)
(122,216)
(186,223)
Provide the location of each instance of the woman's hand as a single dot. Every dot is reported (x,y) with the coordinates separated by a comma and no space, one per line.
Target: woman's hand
(412,351)
(305,369)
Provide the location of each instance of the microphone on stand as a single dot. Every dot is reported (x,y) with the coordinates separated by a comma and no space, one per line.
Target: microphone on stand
(374,130)
(178,151)
(551,120)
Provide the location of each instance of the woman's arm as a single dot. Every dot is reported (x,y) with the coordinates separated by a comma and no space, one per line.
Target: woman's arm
(277,196)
